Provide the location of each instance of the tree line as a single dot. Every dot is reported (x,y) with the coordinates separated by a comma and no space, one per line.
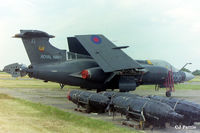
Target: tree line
(196,72)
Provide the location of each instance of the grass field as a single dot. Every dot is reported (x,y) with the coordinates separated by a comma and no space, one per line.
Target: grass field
(6,81)
(196,79)
(19,116)
(177,86)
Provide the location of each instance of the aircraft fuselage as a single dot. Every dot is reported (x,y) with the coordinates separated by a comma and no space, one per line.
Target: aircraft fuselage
(63,73)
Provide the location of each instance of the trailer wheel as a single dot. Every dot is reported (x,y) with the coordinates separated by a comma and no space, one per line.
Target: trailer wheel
(168,94)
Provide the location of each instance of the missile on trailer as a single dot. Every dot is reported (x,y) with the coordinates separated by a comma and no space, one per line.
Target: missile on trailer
(152,111)
(135,107)
(190,110)
(92,102)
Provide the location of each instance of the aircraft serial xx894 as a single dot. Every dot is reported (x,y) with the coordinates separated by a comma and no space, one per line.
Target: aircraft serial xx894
(93,62)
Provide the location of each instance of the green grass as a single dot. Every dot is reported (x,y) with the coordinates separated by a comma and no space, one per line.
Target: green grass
(18,115)
(187,86)
(176,86)
(79,121)
(26,84)
(196,79)
(1,72)
(6,81)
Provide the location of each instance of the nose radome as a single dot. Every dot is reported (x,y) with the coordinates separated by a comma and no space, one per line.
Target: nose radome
(188,76)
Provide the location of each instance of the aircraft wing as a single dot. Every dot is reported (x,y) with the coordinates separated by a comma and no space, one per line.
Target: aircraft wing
(108,56)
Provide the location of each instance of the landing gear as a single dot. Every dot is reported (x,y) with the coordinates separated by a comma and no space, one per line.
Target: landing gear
(157,87)
(62,86)
(168,93)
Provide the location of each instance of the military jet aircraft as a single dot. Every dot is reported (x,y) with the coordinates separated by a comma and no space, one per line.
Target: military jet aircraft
(93,62)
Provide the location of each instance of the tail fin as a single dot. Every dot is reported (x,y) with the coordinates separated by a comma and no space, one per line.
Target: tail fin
(39,49)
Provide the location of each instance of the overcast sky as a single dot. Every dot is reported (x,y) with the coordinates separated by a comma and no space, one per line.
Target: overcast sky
(154,29)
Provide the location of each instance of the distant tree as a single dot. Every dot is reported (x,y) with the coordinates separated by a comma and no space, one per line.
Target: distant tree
(196,72)
(185,70)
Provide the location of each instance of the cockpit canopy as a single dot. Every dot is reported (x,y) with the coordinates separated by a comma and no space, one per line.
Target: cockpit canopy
(161,63)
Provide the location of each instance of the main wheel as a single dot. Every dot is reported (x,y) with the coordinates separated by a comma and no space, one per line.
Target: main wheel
(62,86)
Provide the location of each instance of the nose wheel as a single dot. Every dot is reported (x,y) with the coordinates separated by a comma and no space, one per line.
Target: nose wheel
(62,86)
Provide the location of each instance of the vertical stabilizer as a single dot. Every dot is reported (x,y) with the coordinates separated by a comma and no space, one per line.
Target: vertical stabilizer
(39,49)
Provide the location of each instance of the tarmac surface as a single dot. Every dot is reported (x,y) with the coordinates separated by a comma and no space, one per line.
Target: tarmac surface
(192,83)
(57,98)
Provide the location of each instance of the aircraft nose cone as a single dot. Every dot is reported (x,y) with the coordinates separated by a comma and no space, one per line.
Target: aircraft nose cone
(188,76)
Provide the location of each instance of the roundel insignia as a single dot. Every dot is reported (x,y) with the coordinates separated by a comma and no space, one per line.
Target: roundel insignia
(96,39)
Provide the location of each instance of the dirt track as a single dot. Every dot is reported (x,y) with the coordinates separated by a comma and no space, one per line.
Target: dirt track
(57,98)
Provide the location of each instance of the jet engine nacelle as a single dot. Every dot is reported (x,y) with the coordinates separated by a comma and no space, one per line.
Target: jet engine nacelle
(95,74)
(127,83)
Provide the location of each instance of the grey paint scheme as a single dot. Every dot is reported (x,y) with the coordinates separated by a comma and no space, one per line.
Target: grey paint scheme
(63,71)
(75,46)
(178,76)
(108,58)
(32,43)
(135,107)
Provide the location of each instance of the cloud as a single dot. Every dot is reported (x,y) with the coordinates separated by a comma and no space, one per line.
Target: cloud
(187,15)
(155,27)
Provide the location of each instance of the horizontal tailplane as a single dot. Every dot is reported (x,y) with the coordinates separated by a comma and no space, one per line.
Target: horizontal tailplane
(15,69)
